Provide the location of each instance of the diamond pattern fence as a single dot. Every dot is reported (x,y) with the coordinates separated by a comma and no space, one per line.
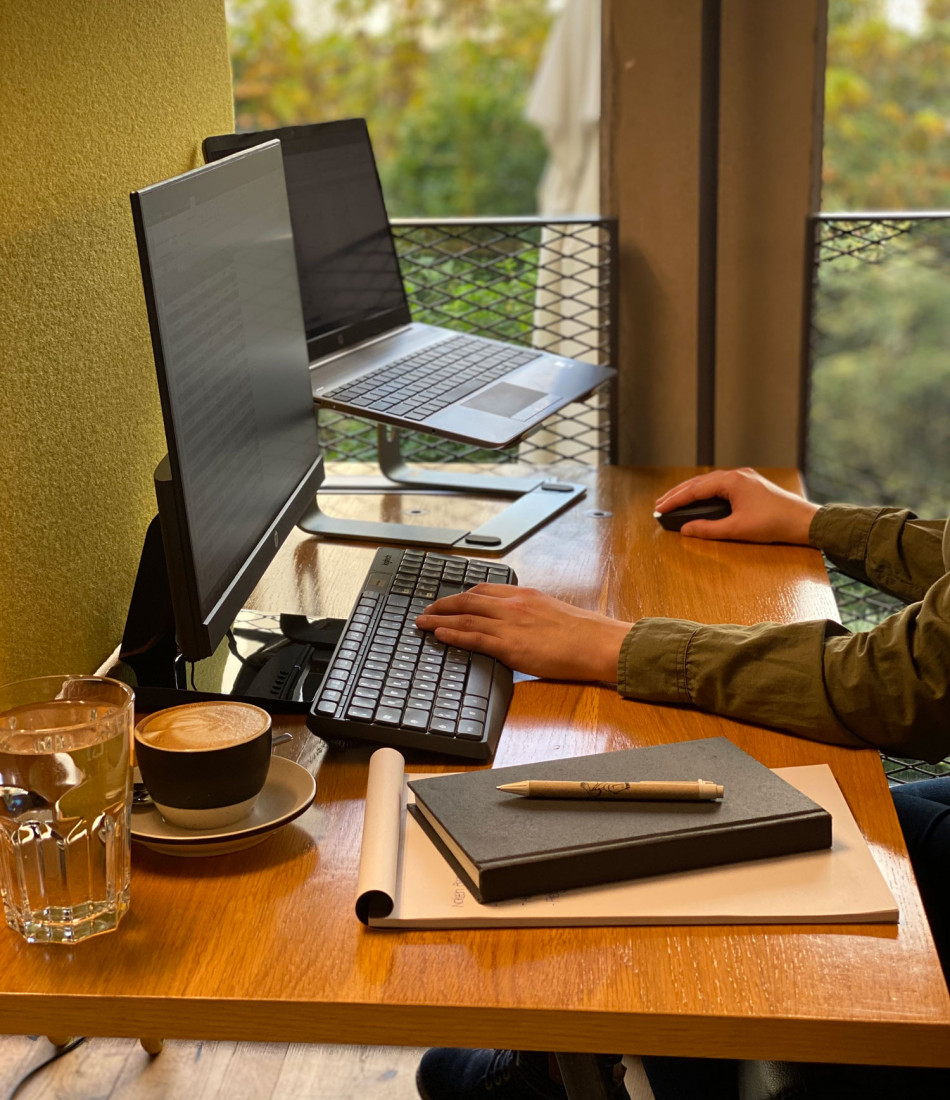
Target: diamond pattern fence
(544,284)
(877,327)
(878,400)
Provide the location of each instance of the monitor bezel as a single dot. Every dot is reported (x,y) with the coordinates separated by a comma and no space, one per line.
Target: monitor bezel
(351,334)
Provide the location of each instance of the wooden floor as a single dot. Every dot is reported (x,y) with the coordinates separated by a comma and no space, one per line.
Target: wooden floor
(119,1069)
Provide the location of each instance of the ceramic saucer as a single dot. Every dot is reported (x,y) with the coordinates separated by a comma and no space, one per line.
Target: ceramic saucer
(288,791)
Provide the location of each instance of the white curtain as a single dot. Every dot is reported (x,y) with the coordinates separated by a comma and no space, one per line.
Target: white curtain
(564,103)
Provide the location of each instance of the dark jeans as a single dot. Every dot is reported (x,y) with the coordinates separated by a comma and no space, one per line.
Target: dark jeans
(923,810)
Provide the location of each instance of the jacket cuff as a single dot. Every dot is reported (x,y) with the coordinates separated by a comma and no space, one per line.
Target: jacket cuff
(652,664)
(842,530)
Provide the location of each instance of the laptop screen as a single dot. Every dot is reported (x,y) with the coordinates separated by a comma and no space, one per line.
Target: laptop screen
(350,282)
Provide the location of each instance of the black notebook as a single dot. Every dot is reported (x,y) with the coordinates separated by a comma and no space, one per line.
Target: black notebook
(505,846)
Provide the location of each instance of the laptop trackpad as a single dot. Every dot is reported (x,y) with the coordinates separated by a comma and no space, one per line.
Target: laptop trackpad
(505,399)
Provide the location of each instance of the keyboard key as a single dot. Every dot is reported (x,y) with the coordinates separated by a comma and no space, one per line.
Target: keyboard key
(480,675)
(415,718)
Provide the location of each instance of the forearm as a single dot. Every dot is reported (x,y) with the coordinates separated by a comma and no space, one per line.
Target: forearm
(887,688)
(888,548)
(769,674)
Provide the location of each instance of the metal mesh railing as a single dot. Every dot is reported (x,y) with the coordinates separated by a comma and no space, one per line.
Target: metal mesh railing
(878,419)
(545,284)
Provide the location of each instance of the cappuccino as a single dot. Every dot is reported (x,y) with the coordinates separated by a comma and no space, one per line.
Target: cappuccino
(203,727)
(204,764)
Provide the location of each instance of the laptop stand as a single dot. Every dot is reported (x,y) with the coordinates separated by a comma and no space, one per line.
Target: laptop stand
(536,500)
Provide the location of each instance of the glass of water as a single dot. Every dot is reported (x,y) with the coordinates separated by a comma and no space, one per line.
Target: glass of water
(65,805)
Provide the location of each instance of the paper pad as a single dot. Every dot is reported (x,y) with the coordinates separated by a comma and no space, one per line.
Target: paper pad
(405,883)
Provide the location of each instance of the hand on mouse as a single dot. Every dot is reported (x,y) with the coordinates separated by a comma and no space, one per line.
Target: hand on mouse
(761,511)
(529,631)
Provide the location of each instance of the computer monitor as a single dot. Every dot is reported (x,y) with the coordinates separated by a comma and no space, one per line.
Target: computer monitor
(243,463)
(350,282)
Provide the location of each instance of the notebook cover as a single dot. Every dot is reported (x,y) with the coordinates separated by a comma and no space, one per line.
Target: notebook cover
(523,846)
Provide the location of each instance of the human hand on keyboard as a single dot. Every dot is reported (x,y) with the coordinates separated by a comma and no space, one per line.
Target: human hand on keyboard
(529,631)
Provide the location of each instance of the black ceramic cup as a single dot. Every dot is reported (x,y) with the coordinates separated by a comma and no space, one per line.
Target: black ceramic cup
(204,764)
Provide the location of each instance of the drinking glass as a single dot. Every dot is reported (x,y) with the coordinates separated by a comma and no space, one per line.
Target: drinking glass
(65,805)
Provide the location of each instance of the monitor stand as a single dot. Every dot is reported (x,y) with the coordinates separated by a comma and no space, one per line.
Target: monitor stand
(537,500)
(276,661)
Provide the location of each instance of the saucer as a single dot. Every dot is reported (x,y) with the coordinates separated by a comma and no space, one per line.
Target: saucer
(288,791)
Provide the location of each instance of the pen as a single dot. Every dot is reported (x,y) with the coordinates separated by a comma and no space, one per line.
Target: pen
(661,790)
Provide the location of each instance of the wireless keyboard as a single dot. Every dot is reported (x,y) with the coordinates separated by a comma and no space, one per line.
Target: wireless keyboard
(390,682)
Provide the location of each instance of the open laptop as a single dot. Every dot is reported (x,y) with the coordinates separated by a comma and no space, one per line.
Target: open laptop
(367,357)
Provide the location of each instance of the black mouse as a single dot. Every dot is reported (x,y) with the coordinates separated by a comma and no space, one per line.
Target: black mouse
(710,508)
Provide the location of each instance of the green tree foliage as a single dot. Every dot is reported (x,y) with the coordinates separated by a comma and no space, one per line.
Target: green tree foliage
(879,420)
(880,411)
(887,110)
(442,84)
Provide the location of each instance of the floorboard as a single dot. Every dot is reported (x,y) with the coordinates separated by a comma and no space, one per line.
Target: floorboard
(119,1069)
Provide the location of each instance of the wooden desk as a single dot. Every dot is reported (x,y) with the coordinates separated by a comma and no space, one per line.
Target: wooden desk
(264,945)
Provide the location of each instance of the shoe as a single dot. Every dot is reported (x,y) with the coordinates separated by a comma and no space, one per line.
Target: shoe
(455,1073)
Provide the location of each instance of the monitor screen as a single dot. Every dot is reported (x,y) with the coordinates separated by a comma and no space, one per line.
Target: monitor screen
(220,279)
(350,280)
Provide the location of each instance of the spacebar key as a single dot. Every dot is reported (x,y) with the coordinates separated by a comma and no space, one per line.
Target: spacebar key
(479,675)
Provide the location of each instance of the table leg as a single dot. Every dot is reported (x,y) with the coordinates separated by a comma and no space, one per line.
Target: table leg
(581,1076)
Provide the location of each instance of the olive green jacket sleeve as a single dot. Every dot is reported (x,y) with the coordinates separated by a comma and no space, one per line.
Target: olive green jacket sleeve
(888,687)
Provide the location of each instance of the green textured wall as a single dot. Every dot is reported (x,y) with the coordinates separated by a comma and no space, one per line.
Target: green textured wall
(97,98)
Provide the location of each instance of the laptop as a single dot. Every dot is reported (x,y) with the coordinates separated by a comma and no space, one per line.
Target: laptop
(367,357)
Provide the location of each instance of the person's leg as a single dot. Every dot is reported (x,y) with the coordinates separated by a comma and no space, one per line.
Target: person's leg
(692,1078)
(923,810)
(454,1073)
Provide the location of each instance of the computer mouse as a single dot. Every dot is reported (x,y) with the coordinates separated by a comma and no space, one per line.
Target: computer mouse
(709,508)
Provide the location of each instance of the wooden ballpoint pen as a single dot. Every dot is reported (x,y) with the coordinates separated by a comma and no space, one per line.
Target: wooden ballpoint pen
(696,790)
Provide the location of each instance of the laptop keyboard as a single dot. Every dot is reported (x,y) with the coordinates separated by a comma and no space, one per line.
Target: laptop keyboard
(389,682)
(420,384)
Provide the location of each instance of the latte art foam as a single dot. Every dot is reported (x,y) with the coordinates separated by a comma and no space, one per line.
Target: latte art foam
(197,727)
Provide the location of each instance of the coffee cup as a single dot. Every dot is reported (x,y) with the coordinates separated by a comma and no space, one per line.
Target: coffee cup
(204,764)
